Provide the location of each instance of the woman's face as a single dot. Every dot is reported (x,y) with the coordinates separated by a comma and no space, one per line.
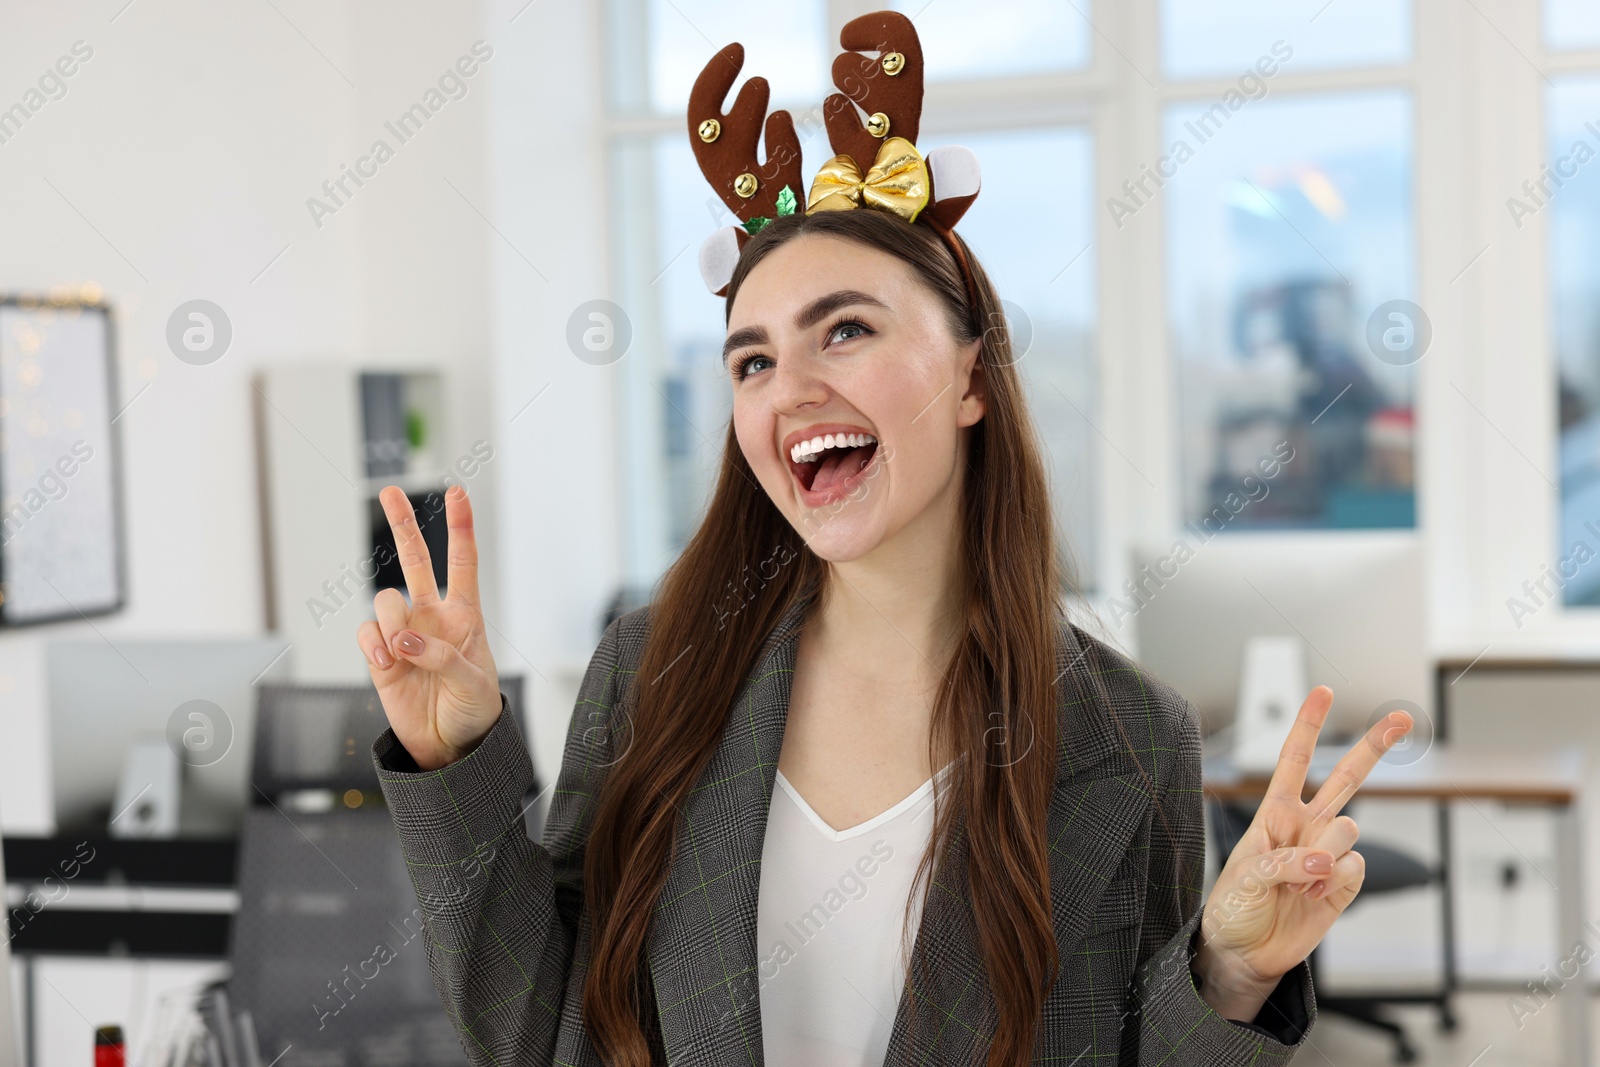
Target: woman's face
(832,338)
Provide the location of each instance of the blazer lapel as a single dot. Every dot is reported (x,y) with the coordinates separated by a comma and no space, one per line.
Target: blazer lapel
(702,952)
(947,1010)
(702,949)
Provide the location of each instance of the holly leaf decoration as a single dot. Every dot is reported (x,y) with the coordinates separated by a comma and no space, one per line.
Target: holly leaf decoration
(786,206)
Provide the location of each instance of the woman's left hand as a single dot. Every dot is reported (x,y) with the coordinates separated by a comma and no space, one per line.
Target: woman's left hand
(1292,873)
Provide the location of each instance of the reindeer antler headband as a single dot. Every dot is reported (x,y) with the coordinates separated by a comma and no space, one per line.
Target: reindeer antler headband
(937,189)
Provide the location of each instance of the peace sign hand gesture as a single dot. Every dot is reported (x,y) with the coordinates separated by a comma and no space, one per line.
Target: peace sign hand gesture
(1292,873)
(430,661)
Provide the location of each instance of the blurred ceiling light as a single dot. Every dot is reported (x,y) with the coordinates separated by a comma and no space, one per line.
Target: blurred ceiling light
(1322,193)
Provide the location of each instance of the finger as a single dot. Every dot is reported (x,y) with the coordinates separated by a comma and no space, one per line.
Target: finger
(1286,866)
(436,657)
(1345,881)
(1289,777)
(1336,839)
(370,637)
(1338,836)
(1353,768)
(412,550)
(461,573)
(393,614)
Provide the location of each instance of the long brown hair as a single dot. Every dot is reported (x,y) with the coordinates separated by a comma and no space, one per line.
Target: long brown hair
(994,721)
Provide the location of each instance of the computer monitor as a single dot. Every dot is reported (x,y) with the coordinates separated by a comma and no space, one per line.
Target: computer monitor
(1354,597)
(104,697)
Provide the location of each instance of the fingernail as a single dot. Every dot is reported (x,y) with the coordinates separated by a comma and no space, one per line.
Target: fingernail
(381,658)
(1319,863)
(1316,890)
(411,644)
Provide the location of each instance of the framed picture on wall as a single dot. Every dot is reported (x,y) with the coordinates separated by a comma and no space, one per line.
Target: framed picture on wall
(61,551)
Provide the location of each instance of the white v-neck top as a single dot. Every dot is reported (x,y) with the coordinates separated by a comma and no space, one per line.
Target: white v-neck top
(828,924)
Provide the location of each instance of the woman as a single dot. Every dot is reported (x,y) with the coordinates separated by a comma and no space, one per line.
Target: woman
(851,639)
(851,790)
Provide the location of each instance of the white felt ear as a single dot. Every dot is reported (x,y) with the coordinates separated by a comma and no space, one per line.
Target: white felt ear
(955,172)
(719,254)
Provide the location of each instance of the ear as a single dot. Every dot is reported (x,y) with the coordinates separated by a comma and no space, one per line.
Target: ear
(975,387)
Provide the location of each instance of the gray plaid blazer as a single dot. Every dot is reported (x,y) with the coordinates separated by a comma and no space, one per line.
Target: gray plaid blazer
(509,934)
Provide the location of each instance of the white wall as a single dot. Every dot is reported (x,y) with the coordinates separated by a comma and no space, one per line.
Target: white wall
(187,146)
(559,522)
(191,141)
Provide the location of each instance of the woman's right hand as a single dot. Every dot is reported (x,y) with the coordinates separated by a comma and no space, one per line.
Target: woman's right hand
(430,661)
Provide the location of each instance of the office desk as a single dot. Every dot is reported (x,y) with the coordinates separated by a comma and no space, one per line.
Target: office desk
(1448,670)
(1548,777)
(128,897)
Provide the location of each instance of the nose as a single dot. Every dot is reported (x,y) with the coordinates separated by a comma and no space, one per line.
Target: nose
(796,385)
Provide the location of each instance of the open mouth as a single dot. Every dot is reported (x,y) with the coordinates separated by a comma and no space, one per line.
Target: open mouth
(832,464)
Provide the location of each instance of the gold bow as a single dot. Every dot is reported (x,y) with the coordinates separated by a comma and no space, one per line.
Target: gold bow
(898,182)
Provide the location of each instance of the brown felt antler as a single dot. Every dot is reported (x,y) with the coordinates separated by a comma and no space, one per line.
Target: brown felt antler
(725,145)
(888,88)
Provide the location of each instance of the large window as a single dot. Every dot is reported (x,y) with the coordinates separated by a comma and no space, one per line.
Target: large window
(963,41)
(1041,258)
(1569,192)
(1289,230)
(1216,225)
(1222,37)
(1290,245)
(1572,112)
(1572,24)
(676,399)
(791,48)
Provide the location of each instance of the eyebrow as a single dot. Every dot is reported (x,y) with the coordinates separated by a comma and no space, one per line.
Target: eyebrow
(808,316)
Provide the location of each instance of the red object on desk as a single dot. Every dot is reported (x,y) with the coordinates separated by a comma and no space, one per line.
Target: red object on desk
(108,1048)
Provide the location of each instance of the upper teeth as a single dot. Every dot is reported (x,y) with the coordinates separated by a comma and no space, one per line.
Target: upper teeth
(810,451)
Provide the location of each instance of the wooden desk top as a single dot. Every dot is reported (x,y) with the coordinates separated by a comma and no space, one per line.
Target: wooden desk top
(1546,775)
(1520,660)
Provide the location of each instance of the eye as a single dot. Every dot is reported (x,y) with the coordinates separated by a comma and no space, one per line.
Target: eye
(849,324)
(744,366)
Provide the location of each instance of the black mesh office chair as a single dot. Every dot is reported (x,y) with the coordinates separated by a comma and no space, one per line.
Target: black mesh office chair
(1388,870)
(326,949)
